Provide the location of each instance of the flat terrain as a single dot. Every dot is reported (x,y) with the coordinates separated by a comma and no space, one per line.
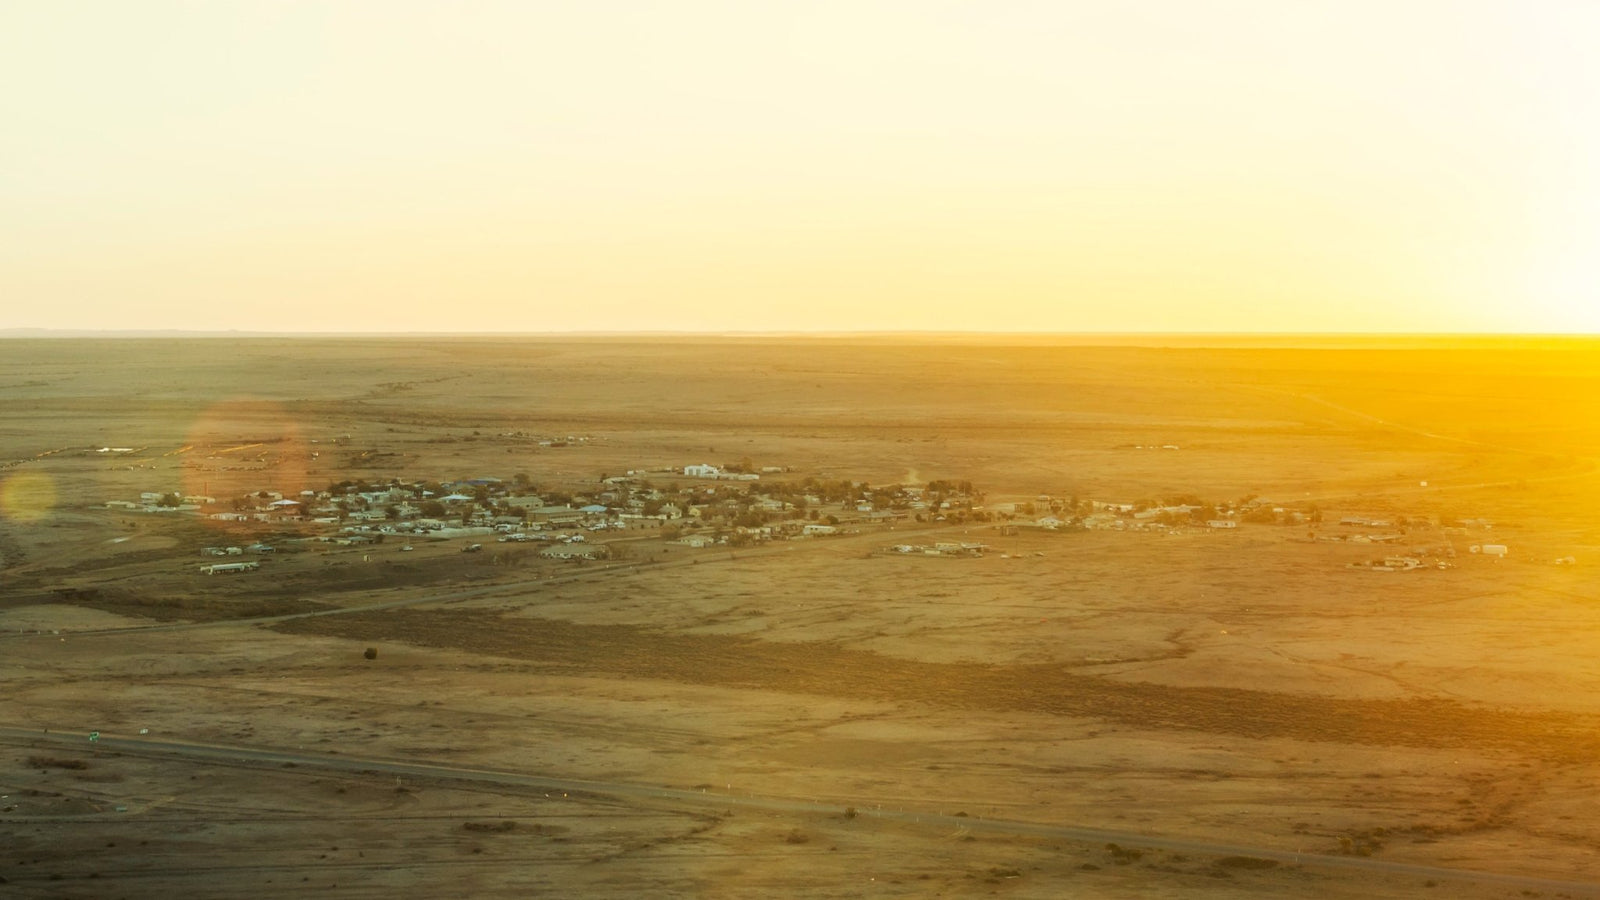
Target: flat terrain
(1125,712)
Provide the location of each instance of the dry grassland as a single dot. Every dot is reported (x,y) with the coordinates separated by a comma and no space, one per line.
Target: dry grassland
(1215,713)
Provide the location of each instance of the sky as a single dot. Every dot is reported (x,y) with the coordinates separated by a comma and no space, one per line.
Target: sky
(1161,166)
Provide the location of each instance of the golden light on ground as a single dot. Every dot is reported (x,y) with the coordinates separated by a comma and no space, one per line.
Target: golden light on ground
(246,445)
(27,497)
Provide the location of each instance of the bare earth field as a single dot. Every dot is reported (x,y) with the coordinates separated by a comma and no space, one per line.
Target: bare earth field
(1250,711)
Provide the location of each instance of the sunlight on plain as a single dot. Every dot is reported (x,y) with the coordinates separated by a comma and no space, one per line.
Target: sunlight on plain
(243,445)
(27,497)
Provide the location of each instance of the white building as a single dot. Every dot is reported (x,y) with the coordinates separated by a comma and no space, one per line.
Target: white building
(702,470)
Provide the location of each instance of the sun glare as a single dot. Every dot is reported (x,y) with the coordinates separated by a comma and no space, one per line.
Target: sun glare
(27,497)
(883,165)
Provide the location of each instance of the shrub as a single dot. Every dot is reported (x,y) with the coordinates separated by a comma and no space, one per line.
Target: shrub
(55,762)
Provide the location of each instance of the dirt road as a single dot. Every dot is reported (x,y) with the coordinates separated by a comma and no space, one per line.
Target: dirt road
(260,756)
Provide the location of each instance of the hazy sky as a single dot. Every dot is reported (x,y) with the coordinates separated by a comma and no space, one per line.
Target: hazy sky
(1142,166)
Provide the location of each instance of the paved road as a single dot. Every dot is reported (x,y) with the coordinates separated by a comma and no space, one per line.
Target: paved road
(261,756)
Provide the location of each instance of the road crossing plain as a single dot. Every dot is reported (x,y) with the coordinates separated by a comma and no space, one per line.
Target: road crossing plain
(1246,690)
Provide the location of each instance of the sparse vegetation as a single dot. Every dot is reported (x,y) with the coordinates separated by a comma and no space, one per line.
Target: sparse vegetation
(503,826)
(1254,863)
(57,762)
(1139,675)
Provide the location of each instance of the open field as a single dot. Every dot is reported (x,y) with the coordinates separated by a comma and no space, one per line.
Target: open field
(1127,708)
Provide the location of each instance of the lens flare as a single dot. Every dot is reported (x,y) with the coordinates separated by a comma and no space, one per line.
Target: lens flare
(241,452)
(27,497)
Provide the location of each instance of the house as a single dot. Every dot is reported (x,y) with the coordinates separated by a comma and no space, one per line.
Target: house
(1221,523)
(702,470)
(696,540)
(815,529)
(556,515)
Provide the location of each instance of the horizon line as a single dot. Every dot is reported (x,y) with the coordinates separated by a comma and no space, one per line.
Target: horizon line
(134,333)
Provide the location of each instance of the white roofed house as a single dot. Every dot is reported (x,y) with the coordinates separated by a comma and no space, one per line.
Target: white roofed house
(284,509)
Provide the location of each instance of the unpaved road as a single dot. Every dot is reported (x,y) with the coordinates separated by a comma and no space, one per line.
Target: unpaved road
(261,756)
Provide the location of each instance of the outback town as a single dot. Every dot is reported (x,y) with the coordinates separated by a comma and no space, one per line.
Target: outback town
(628,617)
(743,514)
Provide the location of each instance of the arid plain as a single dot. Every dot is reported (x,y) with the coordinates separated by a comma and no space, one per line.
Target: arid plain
(1240,624)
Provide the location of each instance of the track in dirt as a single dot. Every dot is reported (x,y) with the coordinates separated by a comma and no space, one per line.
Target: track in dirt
(192,753)
(826,669)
